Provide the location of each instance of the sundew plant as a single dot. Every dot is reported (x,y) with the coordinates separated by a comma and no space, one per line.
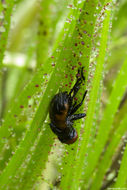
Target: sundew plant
(43,43)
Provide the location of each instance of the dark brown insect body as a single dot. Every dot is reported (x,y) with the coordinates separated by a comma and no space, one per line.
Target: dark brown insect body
(62,111)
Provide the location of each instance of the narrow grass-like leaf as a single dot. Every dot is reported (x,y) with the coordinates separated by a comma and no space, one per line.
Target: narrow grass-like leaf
(5,27)
(5,19)
(15,110)
(107,157)
(122,176)
(105,125)
(93,97)
(38,159)
(29,138)
(26,178)
(89,17)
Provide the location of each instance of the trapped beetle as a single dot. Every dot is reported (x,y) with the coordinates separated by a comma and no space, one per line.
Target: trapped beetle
(62,109)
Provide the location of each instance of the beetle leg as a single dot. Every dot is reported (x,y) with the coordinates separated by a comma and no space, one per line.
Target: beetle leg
(75,108)
(71,108)
(76,116)
(76,87)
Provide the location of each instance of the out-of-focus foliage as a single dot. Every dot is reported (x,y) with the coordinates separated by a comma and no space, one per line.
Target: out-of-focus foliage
(42,45)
